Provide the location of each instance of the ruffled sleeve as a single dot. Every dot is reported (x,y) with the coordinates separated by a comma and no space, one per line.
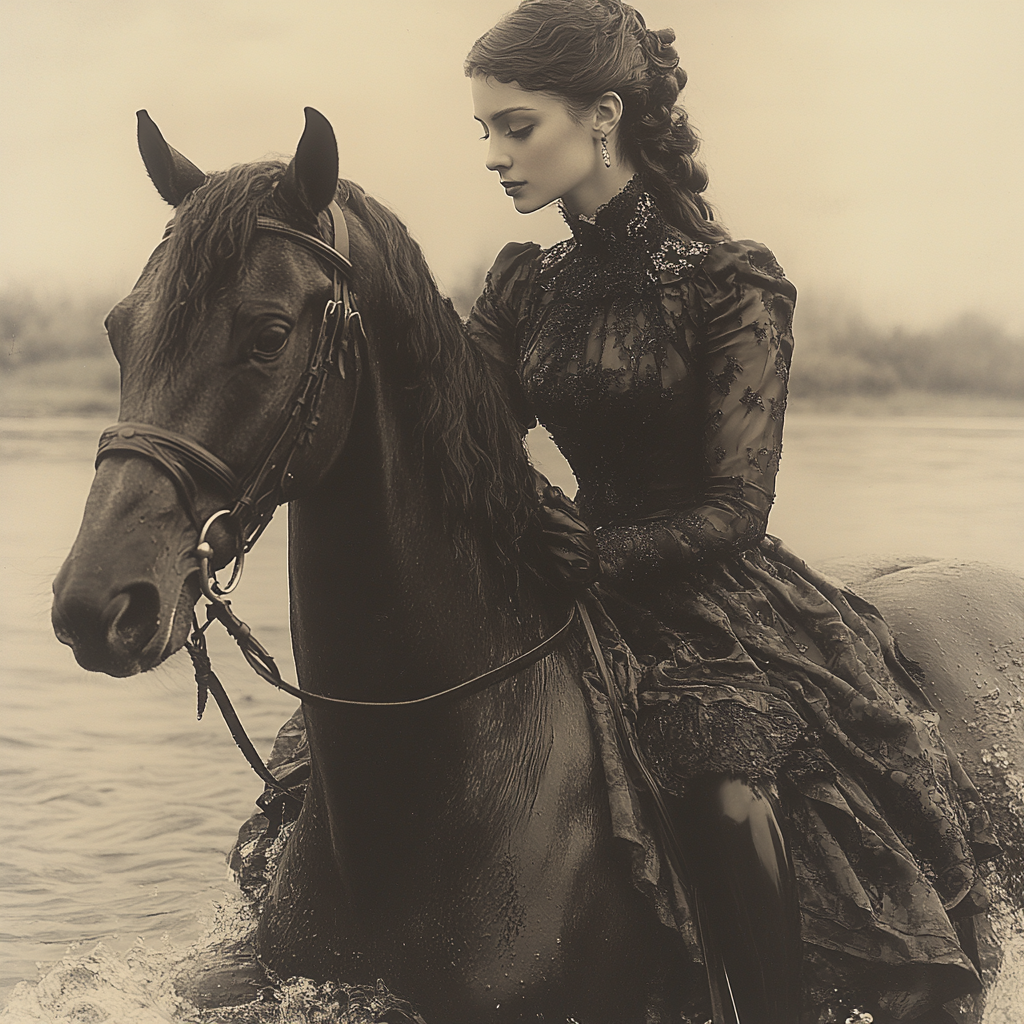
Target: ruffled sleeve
(493,322)
(742,305)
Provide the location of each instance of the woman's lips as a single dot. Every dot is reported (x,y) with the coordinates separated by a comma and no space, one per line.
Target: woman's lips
(512,187)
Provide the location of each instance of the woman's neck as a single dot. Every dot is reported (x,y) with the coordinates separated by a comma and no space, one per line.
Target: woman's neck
(598,190)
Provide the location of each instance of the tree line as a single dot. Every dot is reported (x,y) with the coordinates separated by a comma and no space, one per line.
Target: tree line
(837,353)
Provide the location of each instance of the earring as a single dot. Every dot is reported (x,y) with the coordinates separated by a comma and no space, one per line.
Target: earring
(605,155)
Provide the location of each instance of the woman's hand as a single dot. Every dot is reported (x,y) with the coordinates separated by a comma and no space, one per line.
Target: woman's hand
(568,555)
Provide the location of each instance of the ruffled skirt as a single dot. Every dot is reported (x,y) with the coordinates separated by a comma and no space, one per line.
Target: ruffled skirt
(763,669)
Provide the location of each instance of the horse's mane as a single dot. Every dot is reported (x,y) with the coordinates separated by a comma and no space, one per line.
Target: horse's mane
(465,421)
(469,429)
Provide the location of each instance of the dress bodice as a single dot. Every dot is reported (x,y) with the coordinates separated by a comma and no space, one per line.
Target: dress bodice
(659,365)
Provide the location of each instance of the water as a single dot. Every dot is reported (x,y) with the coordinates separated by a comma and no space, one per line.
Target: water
(119,807)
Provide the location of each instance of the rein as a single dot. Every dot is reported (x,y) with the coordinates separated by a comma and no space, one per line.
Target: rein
(256,496)
(263,664)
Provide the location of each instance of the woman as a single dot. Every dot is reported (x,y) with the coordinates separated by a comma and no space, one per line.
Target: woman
(838,838)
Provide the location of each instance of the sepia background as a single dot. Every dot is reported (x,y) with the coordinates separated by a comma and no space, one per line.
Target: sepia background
(875,145)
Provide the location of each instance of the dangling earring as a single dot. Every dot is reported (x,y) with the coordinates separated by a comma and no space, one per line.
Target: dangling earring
(605,155)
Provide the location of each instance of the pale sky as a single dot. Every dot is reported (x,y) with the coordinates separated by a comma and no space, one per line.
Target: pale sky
(876,145)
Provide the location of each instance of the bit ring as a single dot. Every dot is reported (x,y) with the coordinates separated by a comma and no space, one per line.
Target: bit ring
(208,582)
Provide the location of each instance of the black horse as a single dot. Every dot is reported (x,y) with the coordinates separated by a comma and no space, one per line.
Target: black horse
(460,851)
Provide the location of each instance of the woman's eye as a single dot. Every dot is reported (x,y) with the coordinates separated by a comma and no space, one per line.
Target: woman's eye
(270,340)
(517,133)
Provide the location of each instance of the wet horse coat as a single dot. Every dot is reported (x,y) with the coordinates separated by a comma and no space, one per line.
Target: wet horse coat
(962,624)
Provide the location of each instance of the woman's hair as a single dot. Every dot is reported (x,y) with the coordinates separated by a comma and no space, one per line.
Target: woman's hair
(581,49)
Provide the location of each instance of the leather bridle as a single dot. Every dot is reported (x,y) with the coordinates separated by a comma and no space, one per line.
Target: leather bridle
(255,496)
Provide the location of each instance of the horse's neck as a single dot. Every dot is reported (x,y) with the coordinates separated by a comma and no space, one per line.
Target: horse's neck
(384,608)
(385,604)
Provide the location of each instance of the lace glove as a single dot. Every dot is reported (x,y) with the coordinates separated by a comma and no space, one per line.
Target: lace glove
(667,544)
(641,552)
(567,551)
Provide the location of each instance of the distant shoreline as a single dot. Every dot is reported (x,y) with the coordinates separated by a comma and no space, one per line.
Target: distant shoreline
(907,403)
(88,386)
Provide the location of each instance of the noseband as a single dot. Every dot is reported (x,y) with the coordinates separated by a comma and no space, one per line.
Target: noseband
(254,497)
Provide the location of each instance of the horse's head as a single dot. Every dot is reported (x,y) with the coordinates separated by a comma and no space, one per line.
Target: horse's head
(238,350)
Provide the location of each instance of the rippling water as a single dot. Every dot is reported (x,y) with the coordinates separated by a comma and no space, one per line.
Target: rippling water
(119,807)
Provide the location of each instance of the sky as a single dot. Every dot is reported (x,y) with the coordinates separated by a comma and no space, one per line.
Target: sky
(877,146)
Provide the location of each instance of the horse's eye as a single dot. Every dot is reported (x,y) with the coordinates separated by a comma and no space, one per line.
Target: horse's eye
(270,340)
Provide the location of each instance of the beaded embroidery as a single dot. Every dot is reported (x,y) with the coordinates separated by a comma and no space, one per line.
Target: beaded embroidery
(617,361)
(629,221)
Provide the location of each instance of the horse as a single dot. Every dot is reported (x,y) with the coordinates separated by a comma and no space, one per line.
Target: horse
(460,849)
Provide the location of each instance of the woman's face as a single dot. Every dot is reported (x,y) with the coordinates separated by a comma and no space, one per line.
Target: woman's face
(539,151)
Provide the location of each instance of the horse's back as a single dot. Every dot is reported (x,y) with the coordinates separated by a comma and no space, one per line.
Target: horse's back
(963,624)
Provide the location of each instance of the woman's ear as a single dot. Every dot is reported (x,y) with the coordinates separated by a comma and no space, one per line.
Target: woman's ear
(607,113)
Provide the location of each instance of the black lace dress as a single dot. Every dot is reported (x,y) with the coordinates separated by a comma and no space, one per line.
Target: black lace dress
(659,365)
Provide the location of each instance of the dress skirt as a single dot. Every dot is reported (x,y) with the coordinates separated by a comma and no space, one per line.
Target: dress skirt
(760,668)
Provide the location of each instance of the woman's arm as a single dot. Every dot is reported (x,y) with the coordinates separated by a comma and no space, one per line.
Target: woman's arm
(564,551)
(743,309)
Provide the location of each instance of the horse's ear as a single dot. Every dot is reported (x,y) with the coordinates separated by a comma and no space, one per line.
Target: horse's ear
(174,176)
(312,176)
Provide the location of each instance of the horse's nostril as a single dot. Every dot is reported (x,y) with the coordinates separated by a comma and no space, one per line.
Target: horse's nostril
(132,617)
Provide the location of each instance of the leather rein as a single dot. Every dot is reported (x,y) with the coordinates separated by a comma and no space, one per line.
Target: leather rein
(256,496)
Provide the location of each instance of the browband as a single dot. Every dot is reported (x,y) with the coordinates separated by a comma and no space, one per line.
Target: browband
(337,255)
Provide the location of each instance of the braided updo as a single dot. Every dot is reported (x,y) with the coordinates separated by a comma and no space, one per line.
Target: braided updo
(581,49)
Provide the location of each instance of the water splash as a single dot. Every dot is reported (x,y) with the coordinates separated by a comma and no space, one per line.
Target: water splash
(1005,1002)
(99,987)
(143,985)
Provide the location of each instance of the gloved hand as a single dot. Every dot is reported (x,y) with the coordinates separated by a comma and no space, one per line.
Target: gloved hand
(567,553)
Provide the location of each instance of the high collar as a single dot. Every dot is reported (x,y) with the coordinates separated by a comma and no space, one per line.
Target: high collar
(630,215)
(627,245)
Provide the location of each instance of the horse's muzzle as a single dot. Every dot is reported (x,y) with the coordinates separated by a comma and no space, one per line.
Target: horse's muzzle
(123,598)
(112,635)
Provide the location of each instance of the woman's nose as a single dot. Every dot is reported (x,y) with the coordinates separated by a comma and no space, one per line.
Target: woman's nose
(497,158)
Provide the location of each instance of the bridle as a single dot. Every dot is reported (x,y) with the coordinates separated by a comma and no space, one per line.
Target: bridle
(255,496)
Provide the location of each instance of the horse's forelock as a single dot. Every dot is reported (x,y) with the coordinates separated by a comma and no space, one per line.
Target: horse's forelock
(210,235)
